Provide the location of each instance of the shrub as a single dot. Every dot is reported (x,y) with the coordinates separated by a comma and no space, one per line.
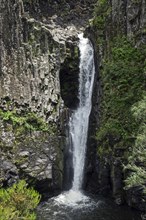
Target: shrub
(18,202)
(137,158)
(101,12)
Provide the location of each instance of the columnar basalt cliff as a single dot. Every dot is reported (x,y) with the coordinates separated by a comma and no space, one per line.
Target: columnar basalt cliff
(30,89)
(38,52)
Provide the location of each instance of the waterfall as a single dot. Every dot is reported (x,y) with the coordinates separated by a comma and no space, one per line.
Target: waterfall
(74,204)
(78,127)
(79,121)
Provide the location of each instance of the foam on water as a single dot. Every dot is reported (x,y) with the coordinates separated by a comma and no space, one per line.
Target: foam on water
(73,198)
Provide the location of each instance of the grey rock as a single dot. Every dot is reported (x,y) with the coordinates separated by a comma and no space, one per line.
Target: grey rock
(24,153)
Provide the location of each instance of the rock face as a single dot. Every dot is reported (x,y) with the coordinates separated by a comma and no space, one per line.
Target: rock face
(35,156)
(104,168)
(37,39)
(34,42)
(31,53)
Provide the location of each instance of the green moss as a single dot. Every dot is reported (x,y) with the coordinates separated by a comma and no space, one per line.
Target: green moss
(29,121)
(123,107)
(101,12)
(104,151)
(18,202)
(101,15)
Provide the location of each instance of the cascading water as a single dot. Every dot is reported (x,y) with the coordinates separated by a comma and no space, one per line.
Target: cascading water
(79,120)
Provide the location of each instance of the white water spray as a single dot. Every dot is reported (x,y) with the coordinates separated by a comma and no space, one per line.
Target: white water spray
(78,125)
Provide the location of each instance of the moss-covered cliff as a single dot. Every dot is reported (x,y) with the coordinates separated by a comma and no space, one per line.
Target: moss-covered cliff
(118,33)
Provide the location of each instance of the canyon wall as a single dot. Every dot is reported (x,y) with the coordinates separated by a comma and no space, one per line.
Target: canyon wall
(39,61)
(116,156)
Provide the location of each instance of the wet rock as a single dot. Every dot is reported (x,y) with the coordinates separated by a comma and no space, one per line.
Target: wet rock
(143,216)
(24,154)
(117,180)
(38,157)
(8,172)
(136,198)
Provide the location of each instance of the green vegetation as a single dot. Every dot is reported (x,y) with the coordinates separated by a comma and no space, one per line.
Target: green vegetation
(18,202)
(101,16)
(29,121)
(123,85)
(123,124)
(137,158)
(101,12)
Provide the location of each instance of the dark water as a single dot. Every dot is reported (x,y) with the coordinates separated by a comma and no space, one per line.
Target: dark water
(93,209)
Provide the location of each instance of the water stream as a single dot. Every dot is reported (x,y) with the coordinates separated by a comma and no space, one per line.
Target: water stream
(74,204)
(80,118)
(78,124)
